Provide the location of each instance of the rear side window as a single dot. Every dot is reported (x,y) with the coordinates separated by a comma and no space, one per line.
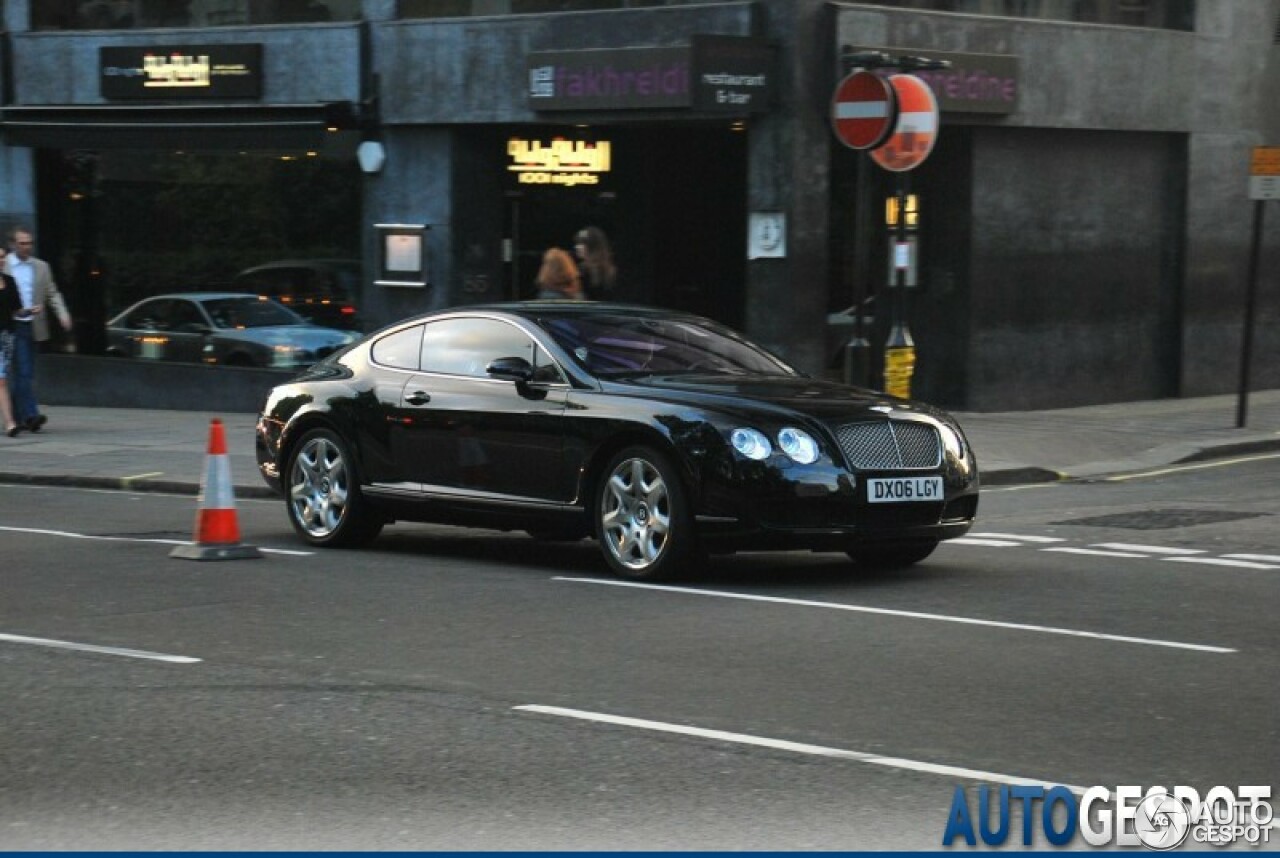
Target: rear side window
(399,350)
(467,346)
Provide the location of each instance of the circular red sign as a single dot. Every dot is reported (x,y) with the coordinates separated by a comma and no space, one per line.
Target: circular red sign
(916,129)
(863,110)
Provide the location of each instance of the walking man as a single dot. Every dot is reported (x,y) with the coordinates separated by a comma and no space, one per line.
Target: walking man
(39,296)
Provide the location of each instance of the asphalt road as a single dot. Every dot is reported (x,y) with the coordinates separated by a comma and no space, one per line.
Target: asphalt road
(453,689)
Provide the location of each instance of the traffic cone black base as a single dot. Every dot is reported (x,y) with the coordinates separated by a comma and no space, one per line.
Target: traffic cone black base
(215,552)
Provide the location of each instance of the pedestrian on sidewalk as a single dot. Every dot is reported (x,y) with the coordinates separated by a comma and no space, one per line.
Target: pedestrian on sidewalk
(558,277)
(39,295)
(595,261)
(10,304)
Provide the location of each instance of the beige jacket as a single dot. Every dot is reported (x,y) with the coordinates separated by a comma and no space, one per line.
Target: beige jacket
(45,295)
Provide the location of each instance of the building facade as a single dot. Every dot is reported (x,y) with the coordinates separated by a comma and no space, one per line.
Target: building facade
(1085,226)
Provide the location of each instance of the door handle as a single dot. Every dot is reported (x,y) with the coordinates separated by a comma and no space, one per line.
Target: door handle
(418,397)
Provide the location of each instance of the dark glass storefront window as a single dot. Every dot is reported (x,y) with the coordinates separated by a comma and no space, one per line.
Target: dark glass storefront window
(121,226)
(123,14)
(1162,14)
(461,8)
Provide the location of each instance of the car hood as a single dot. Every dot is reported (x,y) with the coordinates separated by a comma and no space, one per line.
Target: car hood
(304,336)
(822,400)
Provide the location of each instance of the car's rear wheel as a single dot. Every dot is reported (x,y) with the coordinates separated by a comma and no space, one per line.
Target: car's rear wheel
(323,494)
(895,555)
(642,516)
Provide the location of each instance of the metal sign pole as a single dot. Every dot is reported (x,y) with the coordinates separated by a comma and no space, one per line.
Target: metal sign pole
(900,349)
(1250,302)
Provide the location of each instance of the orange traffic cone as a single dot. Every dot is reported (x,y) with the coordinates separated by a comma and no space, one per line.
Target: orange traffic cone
(217,528)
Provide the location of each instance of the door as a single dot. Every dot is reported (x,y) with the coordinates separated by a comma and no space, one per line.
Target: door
(466,434)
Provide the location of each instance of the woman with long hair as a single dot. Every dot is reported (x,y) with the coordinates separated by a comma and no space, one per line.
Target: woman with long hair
(558,277)
(10,303)
(595,258)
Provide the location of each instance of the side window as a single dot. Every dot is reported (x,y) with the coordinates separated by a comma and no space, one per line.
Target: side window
(151,316)
(186,318)
(467,346)
(399,350)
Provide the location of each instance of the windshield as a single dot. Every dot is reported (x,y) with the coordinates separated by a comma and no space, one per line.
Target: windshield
(249,312)
(621,345)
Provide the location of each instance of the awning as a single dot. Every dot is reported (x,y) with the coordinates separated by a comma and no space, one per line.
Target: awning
(178,126)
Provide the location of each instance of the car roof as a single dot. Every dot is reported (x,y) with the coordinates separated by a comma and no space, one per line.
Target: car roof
(569,307)
(202,296)
(334,262)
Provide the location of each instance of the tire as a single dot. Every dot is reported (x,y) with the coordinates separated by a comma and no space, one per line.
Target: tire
(322,494)
(642,516)
(892,555)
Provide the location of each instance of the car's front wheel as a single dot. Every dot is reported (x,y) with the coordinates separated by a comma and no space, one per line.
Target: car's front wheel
(642,516)
(895,555)
(323,495)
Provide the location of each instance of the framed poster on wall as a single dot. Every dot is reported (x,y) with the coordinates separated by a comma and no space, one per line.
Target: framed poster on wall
(402,254)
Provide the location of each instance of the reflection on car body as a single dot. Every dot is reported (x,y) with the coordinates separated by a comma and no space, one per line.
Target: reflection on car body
(220,328)
(663,435)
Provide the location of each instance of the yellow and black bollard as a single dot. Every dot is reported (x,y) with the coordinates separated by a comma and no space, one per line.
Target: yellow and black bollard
(902,218)
(899,362)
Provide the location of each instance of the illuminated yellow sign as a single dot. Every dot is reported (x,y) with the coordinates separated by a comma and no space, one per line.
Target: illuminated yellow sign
(176,70)
(558,162)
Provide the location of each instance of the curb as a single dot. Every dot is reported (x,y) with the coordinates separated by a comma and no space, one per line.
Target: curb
(129,484)
(1020,476)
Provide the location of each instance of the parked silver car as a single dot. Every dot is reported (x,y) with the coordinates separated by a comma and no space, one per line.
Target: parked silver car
(225,328)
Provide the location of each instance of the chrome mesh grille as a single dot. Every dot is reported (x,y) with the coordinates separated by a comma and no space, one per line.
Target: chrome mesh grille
(889,445)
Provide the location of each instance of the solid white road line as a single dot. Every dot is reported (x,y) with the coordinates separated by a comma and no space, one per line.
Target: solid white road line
(988,543)
(66,534)
(106,650)
(1094,552)
(1260,558)
(913,615)
(1146,549)
(1223,561)
(794,747)
(1018,536)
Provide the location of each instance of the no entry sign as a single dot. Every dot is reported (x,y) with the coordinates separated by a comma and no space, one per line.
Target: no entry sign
(863,110)
(916,130)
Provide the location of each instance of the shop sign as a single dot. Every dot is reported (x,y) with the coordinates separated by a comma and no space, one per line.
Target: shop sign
(626,78)
(975,83)
(714,73)
(558,161)
(733,74)
(167,72)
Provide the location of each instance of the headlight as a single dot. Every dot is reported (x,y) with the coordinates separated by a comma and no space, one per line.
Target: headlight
(751,443)
(798,444)
(952,440)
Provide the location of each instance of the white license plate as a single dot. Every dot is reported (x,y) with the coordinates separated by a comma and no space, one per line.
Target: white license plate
(904,489)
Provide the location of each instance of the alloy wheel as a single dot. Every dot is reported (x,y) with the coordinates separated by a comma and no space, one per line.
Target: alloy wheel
(635,514)
(319,487)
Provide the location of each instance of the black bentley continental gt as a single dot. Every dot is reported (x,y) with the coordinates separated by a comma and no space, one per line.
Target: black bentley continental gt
(662,435)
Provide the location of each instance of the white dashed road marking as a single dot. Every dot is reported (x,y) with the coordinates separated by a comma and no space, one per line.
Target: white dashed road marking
(104,650)
(910,615)
(1123,550)
(794,747)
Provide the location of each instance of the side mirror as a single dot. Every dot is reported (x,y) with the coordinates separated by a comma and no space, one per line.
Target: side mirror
(515,369)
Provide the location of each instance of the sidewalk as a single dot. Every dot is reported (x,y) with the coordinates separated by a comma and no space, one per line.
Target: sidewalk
(149,450)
